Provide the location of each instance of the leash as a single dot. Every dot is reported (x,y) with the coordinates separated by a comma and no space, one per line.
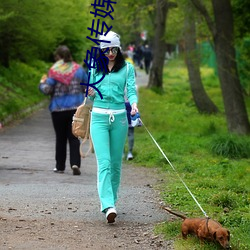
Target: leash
(174,169)
(85,140)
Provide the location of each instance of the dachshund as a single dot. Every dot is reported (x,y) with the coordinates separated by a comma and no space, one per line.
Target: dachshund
(204,229)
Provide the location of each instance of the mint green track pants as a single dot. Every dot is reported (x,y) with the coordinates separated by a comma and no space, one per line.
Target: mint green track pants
(108,138)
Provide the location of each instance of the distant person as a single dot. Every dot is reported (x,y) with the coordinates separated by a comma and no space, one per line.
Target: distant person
(128,109)
(128,59)
(109,126)
(130,133)
(147,54)
(139,56)
(63,85)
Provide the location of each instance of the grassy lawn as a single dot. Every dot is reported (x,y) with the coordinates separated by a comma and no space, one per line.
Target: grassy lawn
(214,164)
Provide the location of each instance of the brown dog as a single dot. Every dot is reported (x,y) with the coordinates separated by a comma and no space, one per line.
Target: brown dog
(204,229)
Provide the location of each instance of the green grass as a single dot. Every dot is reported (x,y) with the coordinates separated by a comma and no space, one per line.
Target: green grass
(19,87)
(214,164)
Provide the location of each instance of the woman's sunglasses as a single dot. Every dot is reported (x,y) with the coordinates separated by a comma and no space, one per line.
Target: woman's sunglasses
(106,51)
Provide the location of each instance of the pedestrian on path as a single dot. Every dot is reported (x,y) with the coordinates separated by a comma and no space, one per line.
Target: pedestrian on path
(109,125)
(131,129)
(147,54)
(63,85)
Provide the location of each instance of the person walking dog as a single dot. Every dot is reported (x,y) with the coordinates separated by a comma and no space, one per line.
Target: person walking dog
(109,125)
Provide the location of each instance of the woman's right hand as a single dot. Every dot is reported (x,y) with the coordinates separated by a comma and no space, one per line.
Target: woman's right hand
(43,79)
(134,109)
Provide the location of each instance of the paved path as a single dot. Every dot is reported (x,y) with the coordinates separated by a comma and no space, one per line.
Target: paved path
(26,163)
(141,78)
(27,160)
(31,191)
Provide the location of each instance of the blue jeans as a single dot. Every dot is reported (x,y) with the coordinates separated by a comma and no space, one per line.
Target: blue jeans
(108,139)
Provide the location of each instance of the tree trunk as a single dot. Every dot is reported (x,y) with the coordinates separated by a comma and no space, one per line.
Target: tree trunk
(235,109)
(159,47)
(201,99)
(223,38)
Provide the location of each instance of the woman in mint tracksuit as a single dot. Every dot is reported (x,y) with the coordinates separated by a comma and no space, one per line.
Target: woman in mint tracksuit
(109,123)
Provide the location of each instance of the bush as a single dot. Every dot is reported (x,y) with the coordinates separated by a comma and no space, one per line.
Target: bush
(231,146)
(224,200)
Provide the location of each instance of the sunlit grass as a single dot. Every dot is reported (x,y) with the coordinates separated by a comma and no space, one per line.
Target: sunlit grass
(219,182)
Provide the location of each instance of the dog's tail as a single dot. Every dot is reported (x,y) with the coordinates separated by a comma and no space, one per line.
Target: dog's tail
(175,213)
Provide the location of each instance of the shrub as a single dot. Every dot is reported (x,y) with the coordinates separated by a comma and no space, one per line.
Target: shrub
(223,200)
(231,146)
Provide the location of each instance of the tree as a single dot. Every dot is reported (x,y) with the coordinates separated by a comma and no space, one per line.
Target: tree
(201,99)
(159,47)
(223,38)
(28,33)
(134,17)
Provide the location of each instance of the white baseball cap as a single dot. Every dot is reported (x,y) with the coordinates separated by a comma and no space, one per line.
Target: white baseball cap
(111,37)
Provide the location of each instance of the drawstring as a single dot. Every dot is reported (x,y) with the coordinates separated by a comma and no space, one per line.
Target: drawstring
(110,112)
(111,117)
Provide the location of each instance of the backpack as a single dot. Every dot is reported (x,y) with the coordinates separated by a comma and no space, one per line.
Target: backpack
(81,126)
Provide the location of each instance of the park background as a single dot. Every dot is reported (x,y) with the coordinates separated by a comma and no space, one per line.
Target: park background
(199,135)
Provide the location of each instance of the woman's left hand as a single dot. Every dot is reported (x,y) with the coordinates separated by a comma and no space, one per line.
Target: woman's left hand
(134,109)
(91,91)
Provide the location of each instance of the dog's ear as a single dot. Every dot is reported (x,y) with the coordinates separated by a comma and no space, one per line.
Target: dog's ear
(214,235)
(228,237)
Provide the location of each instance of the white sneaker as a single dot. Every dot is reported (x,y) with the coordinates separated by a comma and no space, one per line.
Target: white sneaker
(111,214)
(58,171)
(76,170)
(130,156)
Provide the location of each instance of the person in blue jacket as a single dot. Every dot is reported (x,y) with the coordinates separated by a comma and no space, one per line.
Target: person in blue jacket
(109,124)
(63,85)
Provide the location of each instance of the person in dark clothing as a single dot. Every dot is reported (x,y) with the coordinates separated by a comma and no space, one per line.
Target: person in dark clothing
(130,133)
(138,56)
(147,58)
(63,85)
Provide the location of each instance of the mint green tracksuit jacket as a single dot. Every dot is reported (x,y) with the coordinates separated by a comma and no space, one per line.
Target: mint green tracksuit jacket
(109,131)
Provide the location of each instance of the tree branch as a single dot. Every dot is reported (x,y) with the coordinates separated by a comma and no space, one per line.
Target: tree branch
(172,5)
(202,9)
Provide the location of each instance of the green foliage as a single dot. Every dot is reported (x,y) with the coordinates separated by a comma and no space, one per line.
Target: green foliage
(175,25)
(19,87)
(243,59)
(210,129)
(29,33)
(219,183)
(139,16)
(224,200)
(135,17)
(231,146)
(241,17)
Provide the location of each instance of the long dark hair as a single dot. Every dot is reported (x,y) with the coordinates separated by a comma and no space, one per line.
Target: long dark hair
(119,63)
(63,52)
